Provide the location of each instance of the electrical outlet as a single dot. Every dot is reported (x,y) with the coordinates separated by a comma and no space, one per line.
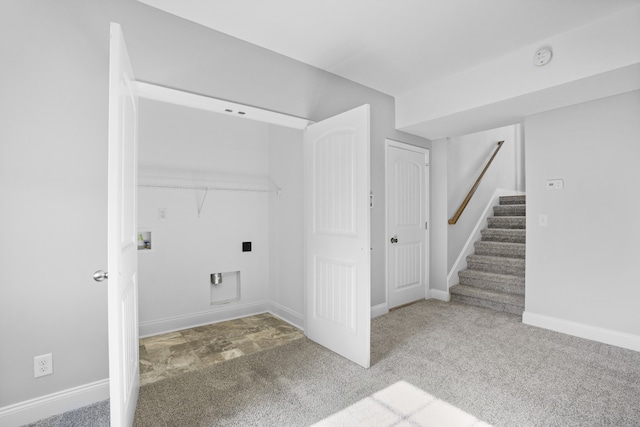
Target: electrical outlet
(42,365)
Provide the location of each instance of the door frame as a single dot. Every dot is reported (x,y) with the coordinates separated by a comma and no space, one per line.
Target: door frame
(177,97)
(388,143)
(183,98)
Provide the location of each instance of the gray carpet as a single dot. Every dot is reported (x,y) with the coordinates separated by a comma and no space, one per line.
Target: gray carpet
(96,415)
(486,363)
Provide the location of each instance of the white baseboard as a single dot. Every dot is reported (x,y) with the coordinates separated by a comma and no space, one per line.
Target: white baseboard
(290,316)
(379,310)
(42,407)
(220,314)
(594,333)
(438,294)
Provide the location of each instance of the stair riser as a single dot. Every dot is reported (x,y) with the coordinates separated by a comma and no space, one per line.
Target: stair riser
(507,222)
(508,284)
(494,278)
(496,306)
(500,235)
(509,210)
(513,200)
(505,266)
(509,250)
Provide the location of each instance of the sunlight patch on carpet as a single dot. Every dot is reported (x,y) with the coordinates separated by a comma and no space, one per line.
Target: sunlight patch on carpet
(402,404)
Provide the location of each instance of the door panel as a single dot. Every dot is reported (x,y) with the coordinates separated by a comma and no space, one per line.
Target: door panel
(406,216)
(122,293)
(337,243)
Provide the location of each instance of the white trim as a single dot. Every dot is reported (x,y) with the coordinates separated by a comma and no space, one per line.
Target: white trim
(427,156)
(468,248)
(192,100)
(439,295)
(594,333)
(518,138)
(286,314)
(42,407)
(379,310)
(229,312)
(177,323)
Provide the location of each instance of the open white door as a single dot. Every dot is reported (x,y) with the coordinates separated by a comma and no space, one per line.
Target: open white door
(337,242)
(122,294)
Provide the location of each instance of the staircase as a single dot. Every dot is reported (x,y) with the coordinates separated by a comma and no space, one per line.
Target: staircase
(494,277)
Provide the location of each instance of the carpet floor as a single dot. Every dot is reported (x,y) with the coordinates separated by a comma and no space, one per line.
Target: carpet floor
(485,363)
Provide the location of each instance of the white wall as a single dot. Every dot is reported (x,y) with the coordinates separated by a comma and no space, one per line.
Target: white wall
(582,269)
(181,145)
(53,162)
(286,248)
(184,146)
(53,183)
(175,290)
(466,158)
(438,216)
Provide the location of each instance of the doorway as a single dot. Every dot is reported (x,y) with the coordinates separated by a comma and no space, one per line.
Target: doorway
(407,184)
(221,195)
(339,140)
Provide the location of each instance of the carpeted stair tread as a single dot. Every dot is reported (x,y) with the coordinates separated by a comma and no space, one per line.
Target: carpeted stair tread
(509,222)
(496,264)
(505,249)
(503,235)
(493,281)
(494,277)
(499,301)
(513,200)
(509,210)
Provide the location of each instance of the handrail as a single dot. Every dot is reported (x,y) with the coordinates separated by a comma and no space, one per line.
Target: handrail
(465,202)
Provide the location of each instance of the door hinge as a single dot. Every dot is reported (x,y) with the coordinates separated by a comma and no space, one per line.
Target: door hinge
(426,225)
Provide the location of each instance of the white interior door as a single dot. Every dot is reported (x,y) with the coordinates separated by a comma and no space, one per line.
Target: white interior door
(406,224)
(122,294)
(337,242)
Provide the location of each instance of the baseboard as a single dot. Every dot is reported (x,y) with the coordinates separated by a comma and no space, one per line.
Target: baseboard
(289,316)
(42,407)
(379,310)
(594,333)
(438,294)
(227,312)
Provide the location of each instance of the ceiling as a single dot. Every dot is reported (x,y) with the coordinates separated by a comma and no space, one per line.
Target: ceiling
(392,46)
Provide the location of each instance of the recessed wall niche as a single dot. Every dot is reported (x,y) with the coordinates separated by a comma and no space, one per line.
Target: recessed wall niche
(227,290)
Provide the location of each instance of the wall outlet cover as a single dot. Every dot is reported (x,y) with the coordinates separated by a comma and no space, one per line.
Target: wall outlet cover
(43,365)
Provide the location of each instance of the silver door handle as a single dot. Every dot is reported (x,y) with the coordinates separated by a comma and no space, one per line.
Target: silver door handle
(100,275)
(394,239)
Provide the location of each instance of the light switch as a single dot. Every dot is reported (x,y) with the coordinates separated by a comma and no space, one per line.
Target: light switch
(543,220)
(555,184)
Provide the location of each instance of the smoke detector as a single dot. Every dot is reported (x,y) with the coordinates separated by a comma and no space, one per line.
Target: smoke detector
(542,57)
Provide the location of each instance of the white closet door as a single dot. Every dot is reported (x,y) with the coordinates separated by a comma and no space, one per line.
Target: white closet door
(122,294)
(337,241)
(406,223)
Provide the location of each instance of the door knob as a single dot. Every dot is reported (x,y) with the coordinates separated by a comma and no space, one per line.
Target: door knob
(100,275)
(394,239)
